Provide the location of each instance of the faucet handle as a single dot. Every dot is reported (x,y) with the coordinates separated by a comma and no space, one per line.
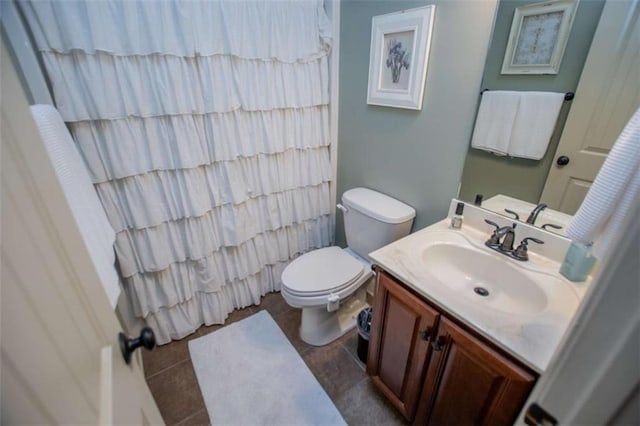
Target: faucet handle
(494,239)
(535,240)
(492,224)
(516,215)
(521,252)
(550,225)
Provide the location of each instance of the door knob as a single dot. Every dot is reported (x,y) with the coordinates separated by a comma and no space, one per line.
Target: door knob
(128,345)
(563,160)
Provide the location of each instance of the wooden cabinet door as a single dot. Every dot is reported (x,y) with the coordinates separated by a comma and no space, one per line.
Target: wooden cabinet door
(468,383)
(399,343)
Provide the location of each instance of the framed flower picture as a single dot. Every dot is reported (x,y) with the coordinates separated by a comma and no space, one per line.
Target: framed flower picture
(399,56)
(538,37)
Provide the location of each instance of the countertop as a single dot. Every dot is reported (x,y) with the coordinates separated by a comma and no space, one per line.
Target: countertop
(531,338)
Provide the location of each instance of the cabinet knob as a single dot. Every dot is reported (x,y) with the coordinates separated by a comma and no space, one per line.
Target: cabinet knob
(438,343)
(425,334)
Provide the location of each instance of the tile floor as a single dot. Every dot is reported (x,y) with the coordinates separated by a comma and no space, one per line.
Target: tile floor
(173,382)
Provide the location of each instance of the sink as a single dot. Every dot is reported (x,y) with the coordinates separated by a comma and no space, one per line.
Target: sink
(523,307)
(484,278)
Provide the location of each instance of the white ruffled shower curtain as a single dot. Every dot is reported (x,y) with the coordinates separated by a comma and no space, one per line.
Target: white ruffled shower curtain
(205,128)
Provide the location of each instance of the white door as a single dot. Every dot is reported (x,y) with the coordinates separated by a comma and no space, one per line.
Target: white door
(60,359)
(607,96)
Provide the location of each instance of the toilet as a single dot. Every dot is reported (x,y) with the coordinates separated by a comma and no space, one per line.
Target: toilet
(329,283)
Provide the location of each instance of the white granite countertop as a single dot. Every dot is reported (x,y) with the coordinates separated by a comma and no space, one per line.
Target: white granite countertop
(530,335)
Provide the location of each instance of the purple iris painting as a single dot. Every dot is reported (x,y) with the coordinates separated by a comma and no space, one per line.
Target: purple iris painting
(397,59)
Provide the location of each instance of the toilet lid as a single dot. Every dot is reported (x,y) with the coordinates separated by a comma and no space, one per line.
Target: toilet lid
(321,271)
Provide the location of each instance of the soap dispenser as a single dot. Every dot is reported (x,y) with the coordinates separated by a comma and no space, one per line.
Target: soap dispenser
(578,262)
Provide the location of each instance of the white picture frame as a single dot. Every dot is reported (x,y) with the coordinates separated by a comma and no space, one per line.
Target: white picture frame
(398,59)
(538,37)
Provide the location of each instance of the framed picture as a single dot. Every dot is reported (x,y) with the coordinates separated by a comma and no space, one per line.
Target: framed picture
(538,37)
(399,56)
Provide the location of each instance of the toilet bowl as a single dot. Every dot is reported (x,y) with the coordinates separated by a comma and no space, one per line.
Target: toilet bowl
(328,284)
(322,283)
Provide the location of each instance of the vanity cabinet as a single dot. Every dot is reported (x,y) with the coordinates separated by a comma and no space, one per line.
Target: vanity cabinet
(400,332)
(436,371)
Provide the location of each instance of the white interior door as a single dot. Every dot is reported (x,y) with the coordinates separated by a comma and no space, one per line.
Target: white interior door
(607,96)
(61,362)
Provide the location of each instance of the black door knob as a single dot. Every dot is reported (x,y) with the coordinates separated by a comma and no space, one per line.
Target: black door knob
(563,160)
(128,345)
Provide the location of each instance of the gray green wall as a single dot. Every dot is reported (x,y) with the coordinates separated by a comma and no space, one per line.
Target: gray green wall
(414,156)
(488,174)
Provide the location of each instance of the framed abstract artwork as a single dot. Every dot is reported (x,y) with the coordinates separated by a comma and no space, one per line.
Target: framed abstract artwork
(538,37)
(399,57)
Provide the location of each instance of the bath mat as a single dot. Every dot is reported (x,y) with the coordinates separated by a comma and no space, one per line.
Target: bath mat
(250,374)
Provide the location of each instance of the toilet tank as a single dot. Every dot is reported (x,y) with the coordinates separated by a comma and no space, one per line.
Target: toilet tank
(373,220)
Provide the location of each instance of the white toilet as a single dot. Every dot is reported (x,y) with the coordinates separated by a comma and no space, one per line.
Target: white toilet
(321,281)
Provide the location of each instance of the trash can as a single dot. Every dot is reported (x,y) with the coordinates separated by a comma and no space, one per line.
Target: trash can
(364,329)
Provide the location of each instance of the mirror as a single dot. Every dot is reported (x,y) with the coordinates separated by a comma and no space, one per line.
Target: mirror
(519,182)
(535,214)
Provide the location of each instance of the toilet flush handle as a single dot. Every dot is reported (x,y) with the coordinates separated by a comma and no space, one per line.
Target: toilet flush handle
(341,207)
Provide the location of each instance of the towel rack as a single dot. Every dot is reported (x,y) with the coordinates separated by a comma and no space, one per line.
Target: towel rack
(567,96)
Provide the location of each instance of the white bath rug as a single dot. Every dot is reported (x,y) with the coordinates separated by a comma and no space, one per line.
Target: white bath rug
(250,374)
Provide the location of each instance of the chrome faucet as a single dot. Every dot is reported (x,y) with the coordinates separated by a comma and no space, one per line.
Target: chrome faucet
(501,238)
(509,236)
(535,212)
(505,246)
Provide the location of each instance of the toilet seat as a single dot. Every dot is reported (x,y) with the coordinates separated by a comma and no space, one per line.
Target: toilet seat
(328,285)
(321,272)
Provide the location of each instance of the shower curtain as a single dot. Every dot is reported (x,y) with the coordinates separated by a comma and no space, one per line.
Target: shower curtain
(205,128)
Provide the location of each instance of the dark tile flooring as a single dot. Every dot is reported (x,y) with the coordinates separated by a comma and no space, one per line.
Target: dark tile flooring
(174,386)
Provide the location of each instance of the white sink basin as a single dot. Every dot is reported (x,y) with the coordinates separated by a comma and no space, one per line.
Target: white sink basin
(458,268)
(528,305)
(484,278)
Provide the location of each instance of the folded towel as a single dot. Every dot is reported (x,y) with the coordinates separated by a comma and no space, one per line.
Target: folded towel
(612,193)
(494,122)
(534,123)
(96,231)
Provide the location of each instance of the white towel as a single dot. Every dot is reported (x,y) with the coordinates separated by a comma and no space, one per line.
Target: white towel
(612,193)
(534,124)
(494,122)
(96,231)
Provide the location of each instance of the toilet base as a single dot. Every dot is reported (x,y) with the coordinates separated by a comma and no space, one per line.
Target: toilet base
(320,327)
